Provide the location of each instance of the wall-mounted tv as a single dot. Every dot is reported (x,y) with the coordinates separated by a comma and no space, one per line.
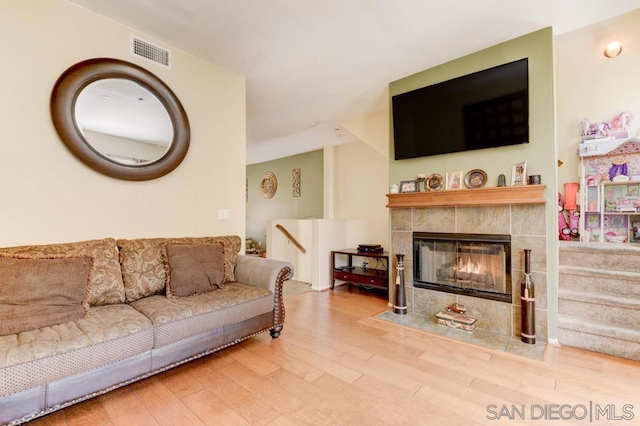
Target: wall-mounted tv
(486,109)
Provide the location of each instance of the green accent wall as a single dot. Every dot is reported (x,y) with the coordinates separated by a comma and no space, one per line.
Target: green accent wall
(283,205)
(539,153)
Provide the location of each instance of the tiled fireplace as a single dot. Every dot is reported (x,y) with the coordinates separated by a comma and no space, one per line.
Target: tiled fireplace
(522,224)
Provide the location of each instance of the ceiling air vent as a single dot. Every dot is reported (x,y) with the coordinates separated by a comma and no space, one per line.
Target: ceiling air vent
(149,51)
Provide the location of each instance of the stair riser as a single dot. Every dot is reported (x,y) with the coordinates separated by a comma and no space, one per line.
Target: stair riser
(599,272)
(616,261)
(604,314)
(602,344)
(612,285)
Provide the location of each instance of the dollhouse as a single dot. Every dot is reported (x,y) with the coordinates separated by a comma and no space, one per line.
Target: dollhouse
(610,190)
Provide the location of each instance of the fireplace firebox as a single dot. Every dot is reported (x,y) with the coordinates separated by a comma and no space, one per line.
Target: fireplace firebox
(477,265)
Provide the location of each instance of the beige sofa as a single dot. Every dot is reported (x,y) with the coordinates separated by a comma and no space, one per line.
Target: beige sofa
(133,328)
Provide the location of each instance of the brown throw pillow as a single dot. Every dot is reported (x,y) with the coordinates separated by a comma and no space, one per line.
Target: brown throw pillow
(193,268)
(38,291)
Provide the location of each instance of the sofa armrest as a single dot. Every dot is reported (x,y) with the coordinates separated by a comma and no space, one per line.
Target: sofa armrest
(261,272)
(267,273)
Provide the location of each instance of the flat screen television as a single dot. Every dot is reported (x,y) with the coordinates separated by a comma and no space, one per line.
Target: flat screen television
(486,109)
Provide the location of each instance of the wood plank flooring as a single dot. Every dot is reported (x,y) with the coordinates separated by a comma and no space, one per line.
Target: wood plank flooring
(336,365)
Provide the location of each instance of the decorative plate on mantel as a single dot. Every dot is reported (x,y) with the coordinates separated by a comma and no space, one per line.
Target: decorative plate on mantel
(476,178)
(433,182)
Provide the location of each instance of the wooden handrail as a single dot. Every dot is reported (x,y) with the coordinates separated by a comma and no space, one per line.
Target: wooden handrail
(291,238)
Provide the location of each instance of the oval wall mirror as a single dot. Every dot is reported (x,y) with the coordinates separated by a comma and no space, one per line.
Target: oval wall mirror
(120,119)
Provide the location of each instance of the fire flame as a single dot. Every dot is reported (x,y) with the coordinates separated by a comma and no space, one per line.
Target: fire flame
(468,266)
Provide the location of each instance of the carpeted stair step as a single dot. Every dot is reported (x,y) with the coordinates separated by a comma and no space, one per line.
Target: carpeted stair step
(603,338)
(602,308)
(586,279)
(599,298)
(602,256)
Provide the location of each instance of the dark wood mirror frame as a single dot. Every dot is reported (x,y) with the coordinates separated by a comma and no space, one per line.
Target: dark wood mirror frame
(63,100)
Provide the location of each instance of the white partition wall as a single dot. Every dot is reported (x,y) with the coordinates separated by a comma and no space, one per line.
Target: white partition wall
(279,247)
(319,237)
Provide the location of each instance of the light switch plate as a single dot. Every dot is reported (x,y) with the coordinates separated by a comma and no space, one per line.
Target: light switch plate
(223,214)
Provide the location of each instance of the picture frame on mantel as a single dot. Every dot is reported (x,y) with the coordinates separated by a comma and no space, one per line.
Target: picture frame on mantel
(519,174)
(409,186)
(454,180)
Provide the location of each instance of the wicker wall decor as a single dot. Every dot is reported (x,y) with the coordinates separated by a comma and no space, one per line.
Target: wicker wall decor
(268,185)
(296,182)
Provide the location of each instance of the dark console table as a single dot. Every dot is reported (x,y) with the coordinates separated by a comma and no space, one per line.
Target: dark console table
(376,275)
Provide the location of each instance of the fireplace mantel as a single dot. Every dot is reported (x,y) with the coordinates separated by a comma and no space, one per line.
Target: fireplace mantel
(527,194)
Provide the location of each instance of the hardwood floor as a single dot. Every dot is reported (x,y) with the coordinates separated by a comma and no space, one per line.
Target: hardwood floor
(336,365)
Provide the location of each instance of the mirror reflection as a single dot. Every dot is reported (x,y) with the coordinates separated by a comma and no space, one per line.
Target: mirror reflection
(124,121)
(120,119)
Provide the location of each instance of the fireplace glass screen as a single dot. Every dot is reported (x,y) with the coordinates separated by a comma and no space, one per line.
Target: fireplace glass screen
(471,264)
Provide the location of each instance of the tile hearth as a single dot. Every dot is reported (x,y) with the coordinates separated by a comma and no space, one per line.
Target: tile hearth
(480,337)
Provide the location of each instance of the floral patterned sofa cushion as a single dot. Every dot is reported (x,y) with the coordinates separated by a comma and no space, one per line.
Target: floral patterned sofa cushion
(107,287)
(143,271)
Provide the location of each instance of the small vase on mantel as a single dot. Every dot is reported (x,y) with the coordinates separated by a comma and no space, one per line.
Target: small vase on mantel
(528,302)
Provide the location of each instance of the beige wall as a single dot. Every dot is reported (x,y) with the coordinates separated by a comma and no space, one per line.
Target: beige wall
(591,86)
(361,176)
(284,205)
(372,129)
(361,182)
(49,196)
(540,152)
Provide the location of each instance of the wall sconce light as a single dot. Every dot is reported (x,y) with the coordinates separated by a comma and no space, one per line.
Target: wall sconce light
(613,49)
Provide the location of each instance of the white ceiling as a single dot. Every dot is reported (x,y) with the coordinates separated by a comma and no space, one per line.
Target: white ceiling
(312,64)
